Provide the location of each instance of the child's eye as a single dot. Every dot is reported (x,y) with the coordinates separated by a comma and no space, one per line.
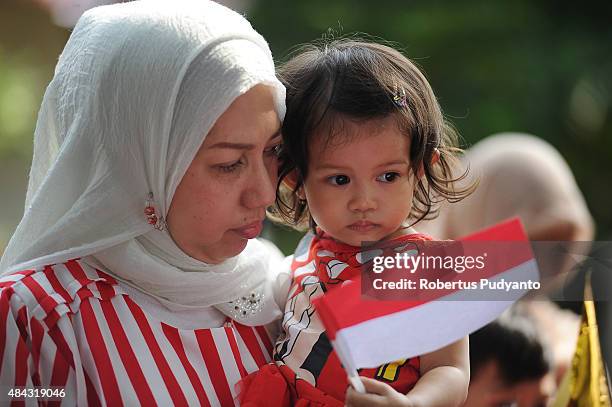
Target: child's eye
(339,179)
(230,167)
(388,177)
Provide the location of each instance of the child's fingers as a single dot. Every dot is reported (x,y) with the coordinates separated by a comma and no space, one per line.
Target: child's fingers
(373,386)
(355,399)
(378,394)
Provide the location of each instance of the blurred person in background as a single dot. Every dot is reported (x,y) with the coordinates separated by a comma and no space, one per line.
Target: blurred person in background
(510,364)
(519,175)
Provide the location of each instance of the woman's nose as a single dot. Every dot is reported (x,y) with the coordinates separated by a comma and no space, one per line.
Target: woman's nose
(261,186)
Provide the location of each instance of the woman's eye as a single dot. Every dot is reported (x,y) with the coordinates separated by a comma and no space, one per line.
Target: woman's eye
(388,177)
(274,150)
(230,167)
(339,180)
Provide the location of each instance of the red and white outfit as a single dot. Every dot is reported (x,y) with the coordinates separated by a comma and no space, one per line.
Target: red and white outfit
(72,326)
(307,370)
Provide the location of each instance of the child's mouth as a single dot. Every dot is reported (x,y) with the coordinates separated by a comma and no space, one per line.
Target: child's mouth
(363,226)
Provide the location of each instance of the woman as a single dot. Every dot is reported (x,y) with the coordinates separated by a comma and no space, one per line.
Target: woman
(154,160)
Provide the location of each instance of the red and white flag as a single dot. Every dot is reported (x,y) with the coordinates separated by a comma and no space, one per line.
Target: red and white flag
(367,333)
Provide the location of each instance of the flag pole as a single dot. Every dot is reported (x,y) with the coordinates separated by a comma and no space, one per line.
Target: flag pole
(356,382)
(351,371)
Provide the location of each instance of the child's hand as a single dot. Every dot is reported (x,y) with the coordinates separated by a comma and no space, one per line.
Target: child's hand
(378,394)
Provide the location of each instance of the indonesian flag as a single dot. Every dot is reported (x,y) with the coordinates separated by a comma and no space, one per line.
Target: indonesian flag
(367,333)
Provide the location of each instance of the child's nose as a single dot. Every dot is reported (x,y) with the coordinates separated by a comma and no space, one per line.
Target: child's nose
(362,201)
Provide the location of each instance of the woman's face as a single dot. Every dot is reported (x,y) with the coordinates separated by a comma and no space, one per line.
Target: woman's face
(221,201)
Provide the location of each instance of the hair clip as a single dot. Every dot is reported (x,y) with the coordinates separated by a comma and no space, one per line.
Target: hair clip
(399,98)
(152,218)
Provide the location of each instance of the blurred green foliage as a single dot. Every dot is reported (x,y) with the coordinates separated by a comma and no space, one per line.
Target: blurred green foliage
(29,47)
(540,67)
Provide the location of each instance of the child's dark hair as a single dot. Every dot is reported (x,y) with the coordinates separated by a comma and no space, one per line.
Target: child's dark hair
(346,79)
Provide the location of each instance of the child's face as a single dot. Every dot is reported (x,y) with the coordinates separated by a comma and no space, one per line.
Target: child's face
(361,190)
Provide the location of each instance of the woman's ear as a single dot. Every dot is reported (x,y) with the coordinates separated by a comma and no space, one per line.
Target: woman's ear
(291,181)
(435,157)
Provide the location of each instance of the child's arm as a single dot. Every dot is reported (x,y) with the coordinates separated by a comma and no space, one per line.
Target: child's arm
(444,382)
(446,376)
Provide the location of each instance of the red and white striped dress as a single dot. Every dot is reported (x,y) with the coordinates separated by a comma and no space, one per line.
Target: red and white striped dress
(72,326)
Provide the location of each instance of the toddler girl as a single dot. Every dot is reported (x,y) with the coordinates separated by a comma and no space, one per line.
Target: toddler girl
(366,154)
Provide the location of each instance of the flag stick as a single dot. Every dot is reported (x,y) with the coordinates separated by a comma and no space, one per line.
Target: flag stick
(356,382)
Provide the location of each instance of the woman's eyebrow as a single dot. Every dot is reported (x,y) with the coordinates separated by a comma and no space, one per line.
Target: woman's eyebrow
(236,146)
(276,134)
(242,146)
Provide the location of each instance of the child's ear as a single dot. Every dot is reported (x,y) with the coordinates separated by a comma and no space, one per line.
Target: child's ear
(291,180)
(435,157)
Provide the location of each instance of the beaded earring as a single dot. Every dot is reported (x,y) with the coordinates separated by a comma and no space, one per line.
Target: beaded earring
(149,211)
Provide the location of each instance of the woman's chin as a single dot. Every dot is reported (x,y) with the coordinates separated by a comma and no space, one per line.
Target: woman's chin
(235,247)
(225,250)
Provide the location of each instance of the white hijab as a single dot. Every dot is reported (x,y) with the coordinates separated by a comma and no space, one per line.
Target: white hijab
(136,89)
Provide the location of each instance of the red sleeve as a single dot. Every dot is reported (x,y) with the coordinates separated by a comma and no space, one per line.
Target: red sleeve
(15,341)
(29,351)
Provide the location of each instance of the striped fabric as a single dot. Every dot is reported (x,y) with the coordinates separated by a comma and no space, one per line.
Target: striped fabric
(72,326)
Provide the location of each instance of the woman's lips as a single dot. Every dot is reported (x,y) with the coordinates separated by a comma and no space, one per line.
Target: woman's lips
(250,231)
(363,226)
